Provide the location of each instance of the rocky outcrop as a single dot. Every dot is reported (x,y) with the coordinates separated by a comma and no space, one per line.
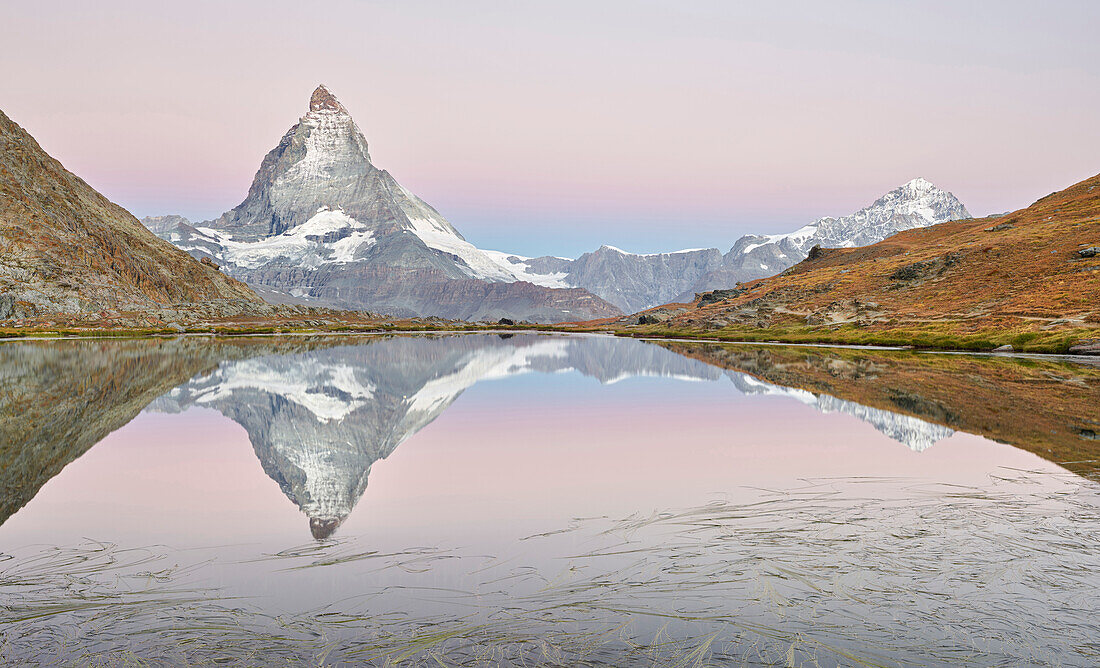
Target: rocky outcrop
(64,248)
(635,282)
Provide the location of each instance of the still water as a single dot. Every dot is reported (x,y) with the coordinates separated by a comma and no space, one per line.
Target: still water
(527,499)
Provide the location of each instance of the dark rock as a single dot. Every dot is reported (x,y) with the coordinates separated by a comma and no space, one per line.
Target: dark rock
(507,322)
(1087,347)
(715,296)
(999,228)
(926,268)
(815,252)
(1091,251)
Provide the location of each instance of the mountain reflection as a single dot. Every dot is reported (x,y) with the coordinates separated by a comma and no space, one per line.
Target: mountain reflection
(318,420)
(319,411)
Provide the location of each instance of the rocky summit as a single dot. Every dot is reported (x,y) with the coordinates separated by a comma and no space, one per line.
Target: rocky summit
(65,248)
(322,224)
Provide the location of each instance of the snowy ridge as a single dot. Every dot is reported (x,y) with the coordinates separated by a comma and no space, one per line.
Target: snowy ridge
(519,267)
(917,203)
(622,252)
(437,233)
(318,204)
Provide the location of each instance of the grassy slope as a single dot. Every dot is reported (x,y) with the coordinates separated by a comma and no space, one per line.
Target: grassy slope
(1016,279)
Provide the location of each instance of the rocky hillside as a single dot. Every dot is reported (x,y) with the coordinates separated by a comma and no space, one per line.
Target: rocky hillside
(1029,279)
(64,248)
(322,224)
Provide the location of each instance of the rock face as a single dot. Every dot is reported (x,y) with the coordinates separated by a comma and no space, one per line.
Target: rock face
(635,282)
(64,248)
(323,225)
(915,204)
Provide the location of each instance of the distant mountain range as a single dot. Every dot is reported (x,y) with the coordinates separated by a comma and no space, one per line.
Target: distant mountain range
(321,224)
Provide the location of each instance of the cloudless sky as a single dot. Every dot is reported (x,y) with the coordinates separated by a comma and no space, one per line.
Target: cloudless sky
(552,128)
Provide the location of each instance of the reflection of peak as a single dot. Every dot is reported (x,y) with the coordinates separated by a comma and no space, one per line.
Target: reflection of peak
(319,420)
(322,529)
(915,434)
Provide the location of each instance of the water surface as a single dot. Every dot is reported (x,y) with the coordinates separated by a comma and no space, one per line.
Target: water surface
(537,499)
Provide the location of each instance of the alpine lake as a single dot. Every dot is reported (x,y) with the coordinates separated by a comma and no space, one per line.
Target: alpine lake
(541,499)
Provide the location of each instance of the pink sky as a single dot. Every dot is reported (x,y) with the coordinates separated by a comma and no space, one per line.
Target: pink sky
(553,128)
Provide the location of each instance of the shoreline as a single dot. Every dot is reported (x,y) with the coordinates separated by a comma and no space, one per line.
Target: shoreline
(101,334)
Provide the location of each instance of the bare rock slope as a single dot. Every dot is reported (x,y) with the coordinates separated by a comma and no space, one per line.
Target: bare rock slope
(65,248)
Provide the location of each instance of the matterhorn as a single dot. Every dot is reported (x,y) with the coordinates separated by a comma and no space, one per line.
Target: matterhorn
(323,225)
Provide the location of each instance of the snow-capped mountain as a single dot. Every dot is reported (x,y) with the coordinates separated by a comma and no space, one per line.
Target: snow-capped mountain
(322,224)
(918,203)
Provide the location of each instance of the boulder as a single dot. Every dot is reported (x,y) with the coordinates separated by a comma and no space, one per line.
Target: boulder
(1087,347)
(1007,348)
(1091,251)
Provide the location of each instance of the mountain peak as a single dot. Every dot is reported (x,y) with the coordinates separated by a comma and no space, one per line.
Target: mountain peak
(919,185)
(323,100)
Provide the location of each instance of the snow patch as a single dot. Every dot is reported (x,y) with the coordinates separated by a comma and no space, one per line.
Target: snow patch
(303,245)
(517,265)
